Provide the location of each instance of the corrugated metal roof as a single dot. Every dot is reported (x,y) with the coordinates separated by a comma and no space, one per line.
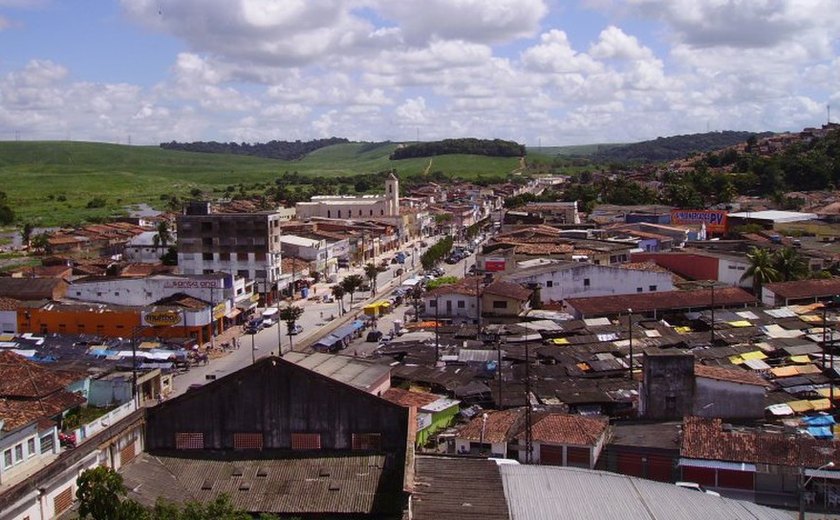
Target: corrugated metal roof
(556,493)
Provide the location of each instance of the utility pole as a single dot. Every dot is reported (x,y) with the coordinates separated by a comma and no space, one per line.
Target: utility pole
(528,436)
(712,338)
(630,338)
(499,367)
(437,339)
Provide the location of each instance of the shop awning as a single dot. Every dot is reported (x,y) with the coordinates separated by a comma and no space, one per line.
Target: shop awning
(233,313)
(717,464)
(246,305)
(358,325)
(327,341)
(343,332)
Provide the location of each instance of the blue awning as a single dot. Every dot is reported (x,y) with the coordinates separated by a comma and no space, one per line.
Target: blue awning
(358,325)
(343,332)
(818,420)
(327,341)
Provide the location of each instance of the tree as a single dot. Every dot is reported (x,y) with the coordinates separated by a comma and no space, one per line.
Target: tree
(371,271)
(26,233)
(790,264)
(761,269)
(338,292)
(352,284)
(290,314)
(41,242)
(100,492)
(416,295)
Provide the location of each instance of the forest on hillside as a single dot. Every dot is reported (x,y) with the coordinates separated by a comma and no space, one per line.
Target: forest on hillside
(674,147)
(285,150)
(472,146)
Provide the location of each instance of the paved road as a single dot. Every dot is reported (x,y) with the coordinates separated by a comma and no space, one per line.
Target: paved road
(315,321)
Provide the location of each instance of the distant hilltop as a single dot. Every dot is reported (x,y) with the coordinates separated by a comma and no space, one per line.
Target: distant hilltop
(675,147)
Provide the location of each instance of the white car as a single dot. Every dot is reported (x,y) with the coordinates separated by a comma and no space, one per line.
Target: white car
(694,486)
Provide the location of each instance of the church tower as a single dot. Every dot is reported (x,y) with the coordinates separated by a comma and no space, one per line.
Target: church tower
(392,195)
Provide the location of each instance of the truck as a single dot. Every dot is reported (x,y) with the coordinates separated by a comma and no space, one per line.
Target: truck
(270,316)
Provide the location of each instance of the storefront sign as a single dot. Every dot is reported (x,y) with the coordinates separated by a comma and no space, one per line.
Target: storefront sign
(494,264)
(715,220)
(219,311)
(162,318)
(193,284)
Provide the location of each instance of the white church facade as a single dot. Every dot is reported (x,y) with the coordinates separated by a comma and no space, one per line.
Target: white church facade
(350,207)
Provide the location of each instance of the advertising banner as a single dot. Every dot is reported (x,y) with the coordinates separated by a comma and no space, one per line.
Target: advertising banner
(162,318)
(715,220)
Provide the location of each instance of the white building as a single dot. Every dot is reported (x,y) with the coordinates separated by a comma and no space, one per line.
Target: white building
(562,280)
(347,206)
(144,249)
(311,249)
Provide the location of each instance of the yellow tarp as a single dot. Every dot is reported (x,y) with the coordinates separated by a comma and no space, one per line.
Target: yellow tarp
(807,369)
(755,354)
(7,337)
(826,392)
(560,341)
(801,406)
(584,366)
(820,404)
(682,330)
(784,371)
(800,359)
(148,345)
(736,360)
(739,323)
(811,318)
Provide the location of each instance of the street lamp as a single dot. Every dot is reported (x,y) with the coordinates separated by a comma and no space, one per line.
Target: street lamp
(804,483)
(630,338)
(712,336)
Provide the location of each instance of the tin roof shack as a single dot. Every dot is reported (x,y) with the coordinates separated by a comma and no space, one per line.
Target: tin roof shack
(799,291)
(566,440)
(287,440)
(646,450)
(31,289)
(434,412)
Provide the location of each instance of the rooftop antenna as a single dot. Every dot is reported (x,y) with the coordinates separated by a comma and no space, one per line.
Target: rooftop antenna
(828,109)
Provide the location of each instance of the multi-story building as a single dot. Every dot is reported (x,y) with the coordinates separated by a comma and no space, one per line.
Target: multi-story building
(349,207)
(246,245)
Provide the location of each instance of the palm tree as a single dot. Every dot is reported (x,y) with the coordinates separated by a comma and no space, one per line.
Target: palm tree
(761,269)
(790,264)
(163,235)
(371,271)
(338,292)
(351,284)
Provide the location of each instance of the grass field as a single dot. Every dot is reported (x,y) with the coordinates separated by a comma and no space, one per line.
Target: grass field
(51,183)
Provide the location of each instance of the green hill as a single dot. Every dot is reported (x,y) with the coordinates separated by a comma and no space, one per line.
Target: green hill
(53,183)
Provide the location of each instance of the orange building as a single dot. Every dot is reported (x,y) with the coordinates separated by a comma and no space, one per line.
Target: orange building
(102,320)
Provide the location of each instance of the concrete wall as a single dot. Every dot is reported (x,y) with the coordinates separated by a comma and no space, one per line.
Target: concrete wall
(730,271)
(687,265)
(468,312)
(728,400)
(668,386)
(145,291)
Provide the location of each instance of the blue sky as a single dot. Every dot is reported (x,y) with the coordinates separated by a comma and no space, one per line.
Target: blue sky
(536,71)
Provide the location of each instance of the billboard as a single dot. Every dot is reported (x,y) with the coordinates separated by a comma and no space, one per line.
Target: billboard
(715,220)
(161,318)
(493,264)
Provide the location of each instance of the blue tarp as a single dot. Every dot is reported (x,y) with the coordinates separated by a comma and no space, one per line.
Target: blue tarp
(343,332)
(818,420)
(358,325)
(820,432)
(327,341)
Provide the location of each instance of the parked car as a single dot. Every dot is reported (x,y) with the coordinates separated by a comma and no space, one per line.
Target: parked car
(297,329)
(694,486)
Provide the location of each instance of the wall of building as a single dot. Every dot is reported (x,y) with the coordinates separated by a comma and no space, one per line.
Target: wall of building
(728,400)
(668,386)
(145,291)
(730,271)
(591,280)
(8,322)
(450,307)
(500,305)
(687,265)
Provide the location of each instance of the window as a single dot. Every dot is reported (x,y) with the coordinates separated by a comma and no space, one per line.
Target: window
(224,257)
(549,283)
(586,282)
(432,303)
(339,213)
(329,214)
(7,458)
(638,289)
(30,447)
(47,443)
(208,257)
(247,441)
(367,441)
(499,304)
(18,452)
(462,304)
(651,288)
(306,441)
(189,441)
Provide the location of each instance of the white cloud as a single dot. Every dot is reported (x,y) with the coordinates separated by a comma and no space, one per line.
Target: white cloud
(615,43)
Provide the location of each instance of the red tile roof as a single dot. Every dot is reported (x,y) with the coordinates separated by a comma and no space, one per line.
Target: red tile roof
(736,375)
(501,426)
(16,413)
(23,378)
(508,289)
(665,300)
(805,288)
(706,439)
(556,428)
(8,304)
(466,286)
(408,399)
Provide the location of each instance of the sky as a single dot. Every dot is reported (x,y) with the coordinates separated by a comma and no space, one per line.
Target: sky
(539,72)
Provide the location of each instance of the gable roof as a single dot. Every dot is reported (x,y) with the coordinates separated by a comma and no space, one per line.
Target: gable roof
(24,379)
(664,300)
(557,428)
(501,426)
(805,288)
(32,288)
(407,398)
(745,377)
(508,290)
